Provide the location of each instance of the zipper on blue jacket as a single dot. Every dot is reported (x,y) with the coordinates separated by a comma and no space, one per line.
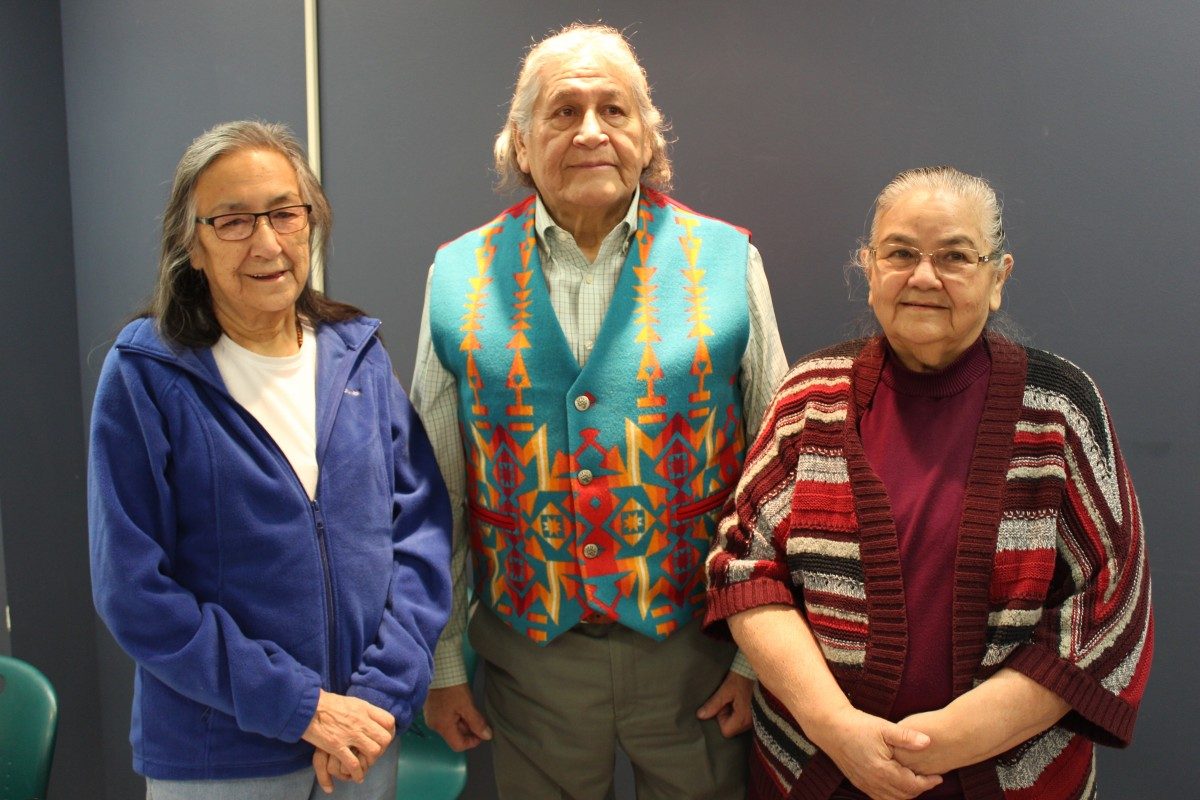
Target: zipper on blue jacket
(360,349)
(330,629)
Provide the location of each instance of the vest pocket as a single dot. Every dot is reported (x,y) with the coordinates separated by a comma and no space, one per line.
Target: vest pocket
(496,519)
(703,505)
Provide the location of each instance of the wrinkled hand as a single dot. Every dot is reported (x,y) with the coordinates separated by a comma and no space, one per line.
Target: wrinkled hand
(327,768)
(730,704)
(452,713)
(864,747)
(352,731)
(928,760)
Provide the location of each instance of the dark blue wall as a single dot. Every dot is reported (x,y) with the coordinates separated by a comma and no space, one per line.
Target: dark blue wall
(41,434)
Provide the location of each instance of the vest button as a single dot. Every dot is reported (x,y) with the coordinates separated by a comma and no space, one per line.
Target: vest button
(584,476)
(591,550)
(583,403)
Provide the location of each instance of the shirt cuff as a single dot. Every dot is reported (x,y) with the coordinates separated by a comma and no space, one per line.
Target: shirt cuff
(449,669)
(741,666)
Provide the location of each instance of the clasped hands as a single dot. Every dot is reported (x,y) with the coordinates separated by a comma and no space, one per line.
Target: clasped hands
(349,735)
(886,760)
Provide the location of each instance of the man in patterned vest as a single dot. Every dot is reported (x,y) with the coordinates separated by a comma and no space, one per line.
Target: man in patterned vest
(591,364)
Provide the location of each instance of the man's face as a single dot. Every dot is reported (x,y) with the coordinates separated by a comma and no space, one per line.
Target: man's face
(586,146)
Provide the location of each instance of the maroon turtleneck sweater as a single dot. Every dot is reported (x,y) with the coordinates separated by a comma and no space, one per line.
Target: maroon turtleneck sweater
(918,435)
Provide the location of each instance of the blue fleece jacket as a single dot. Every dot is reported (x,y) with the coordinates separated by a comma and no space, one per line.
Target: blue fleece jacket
(238,597)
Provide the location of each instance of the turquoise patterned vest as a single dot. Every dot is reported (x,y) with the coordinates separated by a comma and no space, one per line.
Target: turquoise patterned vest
(594,493)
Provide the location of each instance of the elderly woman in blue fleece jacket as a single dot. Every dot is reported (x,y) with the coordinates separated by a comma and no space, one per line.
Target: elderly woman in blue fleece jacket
(269,530)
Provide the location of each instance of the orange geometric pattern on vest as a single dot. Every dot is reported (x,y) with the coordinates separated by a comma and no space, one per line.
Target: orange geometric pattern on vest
(646,319)
(613,520)
(526,569)
(698,315)
(471,320)
(518,374)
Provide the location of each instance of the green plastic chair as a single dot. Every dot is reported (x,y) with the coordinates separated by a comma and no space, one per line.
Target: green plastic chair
(428,768)
(28,726)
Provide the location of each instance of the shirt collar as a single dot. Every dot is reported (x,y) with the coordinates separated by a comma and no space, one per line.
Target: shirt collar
(543,222)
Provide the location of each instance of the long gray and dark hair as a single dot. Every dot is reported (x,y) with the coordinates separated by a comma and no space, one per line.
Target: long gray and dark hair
(182,303)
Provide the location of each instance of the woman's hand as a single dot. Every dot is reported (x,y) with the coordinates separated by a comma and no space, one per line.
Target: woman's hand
(790,664)
(351,731)
(934,758)
(869,752)
(327,769)
(994,717)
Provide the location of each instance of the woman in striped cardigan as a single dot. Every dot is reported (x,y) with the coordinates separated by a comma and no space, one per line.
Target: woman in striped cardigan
(934,558)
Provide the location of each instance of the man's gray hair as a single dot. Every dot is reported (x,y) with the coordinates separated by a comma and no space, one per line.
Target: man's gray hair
(181,302)
(570,42)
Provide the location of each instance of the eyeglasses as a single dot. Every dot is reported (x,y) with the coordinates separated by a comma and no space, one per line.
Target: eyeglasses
(235,227)
(948,262)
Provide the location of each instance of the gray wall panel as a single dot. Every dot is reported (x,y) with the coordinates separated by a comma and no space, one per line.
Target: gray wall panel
(41,436)
(143,79)
(5,639)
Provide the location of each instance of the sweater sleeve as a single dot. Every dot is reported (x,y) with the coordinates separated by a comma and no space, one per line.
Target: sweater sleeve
(1094,641)
(747,565)
(397,668)
(196,648)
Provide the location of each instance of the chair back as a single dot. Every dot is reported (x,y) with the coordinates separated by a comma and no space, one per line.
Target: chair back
(28,725)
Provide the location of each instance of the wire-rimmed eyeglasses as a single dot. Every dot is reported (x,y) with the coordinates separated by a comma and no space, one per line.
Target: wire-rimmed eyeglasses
(947,262)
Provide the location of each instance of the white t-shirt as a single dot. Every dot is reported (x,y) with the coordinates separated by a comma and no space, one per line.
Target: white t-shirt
(281,393)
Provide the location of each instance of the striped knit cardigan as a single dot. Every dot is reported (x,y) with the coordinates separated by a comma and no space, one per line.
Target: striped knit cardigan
(1050,575)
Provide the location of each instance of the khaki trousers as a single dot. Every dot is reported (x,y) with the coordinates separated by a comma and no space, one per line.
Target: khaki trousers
(559,712)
